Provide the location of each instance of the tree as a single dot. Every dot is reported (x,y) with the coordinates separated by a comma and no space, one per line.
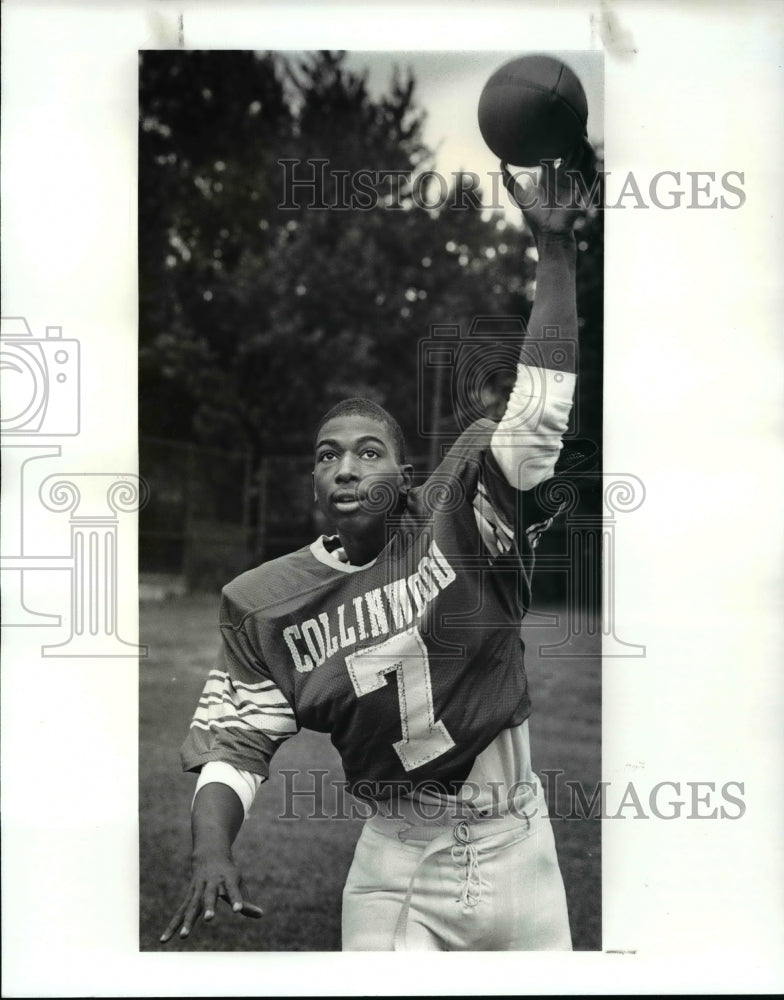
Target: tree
(259,310)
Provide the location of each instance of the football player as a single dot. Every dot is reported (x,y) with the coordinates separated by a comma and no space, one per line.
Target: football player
(399,636)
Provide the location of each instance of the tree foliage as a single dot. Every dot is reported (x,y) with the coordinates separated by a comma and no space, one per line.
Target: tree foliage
(255,317)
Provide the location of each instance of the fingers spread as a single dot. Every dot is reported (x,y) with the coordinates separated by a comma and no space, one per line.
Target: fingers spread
(202,896)
(174,923)
(234,892)
(192,912)
(239,904)
(210,899)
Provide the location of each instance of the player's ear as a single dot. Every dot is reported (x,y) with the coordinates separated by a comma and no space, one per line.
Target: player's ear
(313,483)
(407,474)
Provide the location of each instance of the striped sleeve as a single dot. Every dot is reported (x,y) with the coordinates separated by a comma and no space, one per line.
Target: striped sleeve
(242,716)
(496,530)
(501,510)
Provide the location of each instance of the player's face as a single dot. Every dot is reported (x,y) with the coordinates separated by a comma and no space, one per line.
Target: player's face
(357,478)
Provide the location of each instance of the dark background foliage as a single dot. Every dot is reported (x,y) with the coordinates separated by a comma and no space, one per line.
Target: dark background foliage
(255,318)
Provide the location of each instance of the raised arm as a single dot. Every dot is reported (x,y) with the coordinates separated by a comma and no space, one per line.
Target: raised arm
(528,439)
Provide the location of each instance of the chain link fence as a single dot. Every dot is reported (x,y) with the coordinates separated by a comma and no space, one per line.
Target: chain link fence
(211,515)
(196,526)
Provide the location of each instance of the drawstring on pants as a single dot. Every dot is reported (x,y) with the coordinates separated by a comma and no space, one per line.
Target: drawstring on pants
(456,838)
(465,854)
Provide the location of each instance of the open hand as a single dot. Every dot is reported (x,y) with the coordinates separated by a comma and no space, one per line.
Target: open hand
(213,878)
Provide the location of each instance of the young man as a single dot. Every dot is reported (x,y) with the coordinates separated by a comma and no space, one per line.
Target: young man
(400,637)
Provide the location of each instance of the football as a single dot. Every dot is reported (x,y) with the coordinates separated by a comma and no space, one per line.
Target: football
(532,109)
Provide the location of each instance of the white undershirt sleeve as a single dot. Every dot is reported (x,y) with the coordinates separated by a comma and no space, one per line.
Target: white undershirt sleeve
(244,783)
(528,440)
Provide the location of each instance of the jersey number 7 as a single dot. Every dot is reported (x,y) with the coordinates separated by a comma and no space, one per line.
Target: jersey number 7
(424,737)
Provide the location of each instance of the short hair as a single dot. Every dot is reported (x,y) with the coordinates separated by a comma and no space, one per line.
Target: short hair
(359,407)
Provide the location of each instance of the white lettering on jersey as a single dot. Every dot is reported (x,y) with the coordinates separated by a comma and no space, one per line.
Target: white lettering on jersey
(403,601)
(304,664)
(331,644)
(405,654)
(378,617)
(399,603)
(442,571)
(314,640)
(347,635)
(360,617)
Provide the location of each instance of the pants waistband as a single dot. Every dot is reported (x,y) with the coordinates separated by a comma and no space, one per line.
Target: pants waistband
(418,819)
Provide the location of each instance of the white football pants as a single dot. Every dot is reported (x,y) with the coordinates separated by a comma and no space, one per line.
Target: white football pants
(449,884)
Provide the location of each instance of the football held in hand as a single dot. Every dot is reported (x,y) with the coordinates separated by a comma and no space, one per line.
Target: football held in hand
(531,109)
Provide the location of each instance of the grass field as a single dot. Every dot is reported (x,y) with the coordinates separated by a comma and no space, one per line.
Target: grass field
(296,867)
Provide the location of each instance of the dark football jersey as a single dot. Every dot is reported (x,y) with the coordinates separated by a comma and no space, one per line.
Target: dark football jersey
(413,664)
